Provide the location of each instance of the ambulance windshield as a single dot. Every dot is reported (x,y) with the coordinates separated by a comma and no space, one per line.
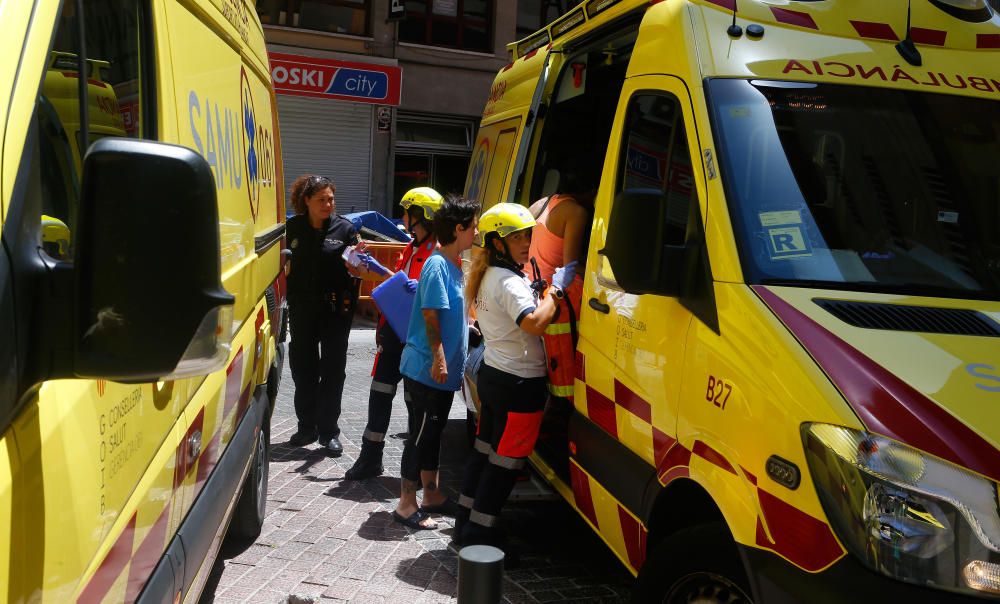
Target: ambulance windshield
(862,188)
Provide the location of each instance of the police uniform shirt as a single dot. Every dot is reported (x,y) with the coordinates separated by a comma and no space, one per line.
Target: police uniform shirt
(318,267)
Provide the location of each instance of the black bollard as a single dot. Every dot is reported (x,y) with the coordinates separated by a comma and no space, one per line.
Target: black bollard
(480,575)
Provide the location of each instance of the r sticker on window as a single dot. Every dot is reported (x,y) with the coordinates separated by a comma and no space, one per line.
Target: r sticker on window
(788,242)
(770,219)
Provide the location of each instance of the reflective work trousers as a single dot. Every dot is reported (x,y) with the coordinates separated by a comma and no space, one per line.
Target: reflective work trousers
(385,379)
(509,423)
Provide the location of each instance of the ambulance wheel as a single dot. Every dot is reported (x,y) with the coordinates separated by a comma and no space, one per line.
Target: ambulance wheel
(248,517)
(699,564)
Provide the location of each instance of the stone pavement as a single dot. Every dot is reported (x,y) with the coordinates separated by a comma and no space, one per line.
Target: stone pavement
(327,540)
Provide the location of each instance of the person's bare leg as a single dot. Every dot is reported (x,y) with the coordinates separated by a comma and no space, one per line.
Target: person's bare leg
(408,501)
(433,496)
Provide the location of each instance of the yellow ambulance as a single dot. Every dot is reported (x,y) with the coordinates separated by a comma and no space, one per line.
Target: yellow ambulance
(788,368)
(140,294)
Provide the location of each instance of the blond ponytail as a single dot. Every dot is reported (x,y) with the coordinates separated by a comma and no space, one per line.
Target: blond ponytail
(480,262)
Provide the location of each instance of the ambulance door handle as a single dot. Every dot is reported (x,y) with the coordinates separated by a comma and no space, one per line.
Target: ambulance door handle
(599,306)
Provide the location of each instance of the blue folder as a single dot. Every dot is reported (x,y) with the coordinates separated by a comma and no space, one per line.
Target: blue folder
(395,302)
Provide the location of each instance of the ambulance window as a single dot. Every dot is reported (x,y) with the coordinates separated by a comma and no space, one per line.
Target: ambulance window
(116,103)
(577,121)
(655,158)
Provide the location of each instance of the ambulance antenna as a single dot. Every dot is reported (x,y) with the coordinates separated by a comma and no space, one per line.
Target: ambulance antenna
(734,30)
(907,49)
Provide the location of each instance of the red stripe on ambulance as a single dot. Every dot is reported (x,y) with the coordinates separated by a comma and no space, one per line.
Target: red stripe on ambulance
(806,541)
(635,404)
(581,493)
(794,17)
(712,456)
(112,566)
(601,411)
(987,40)
(148,555)
(635,538)
(875,31)
(929,37)
(886,404)
(233,380)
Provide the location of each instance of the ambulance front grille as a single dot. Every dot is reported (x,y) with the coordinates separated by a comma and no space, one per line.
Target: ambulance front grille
(922,319)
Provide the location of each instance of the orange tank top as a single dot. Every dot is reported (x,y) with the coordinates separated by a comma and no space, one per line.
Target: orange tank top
(546,247)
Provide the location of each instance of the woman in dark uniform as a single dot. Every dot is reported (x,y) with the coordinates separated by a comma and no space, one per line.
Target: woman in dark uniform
(321,300)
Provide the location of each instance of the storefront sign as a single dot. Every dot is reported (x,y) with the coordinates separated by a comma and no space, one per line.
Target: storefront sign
(397,10)
(339,80)
(384,119)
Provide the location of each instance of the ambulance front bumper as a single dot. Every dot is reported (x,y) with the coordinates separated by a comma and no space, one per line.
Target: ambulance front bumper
(774,580)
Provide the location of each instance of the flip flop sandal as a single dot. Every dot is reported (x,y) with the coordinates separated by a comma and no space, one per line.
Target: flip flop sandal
(413,520)
(448,507)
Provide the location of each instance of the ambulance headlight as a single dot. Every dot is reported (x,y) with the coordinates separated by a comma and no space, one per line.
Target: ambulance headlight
(905,513)
(210,346)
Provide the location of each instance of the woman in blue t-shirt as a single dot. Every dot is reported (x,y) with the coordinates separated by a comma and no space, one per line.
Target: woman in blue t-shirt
(433,361)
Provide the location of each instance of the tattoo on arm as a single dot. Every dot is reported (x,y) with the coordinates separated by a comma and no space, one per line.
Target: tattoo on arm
(432,486)
(432,327)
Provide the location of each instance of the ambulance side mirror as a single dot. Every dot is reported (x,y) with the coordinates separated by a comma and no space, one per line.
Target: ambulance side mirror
(148,301)
(644,246)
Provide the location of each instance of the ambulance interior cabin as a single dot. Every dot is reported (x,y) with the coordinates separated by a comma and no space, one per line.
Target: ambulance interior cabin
(578,117)
(861,188)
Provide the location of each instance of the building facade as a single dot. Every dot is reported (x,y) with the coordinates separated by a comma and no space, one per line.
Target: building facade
(385,95)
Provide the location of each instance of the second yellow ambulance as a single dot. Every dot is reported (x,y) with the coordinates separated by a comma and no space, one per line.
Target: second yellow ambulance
(788,370)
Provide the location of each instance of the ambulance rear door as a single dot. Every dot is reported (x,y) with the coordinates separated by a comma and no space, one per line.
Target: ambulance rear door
(509,120)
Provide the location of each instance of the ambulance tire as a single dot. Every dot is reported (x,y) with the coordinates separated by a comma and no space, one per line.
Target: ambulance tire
(248,517)
(697,564)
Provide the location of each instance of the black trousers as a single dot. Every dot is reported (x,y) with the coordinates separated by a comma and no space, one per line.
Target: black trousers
(317,355)
(427,414)
(509,422)
(385,380)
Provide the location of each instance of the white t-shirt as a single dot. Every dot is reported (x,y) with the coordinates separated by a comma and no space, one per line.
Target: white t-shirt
(503,298)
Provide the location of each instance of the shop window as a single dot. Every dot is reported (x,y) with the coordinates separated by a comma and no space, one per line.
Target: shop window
(425,133)
(463,24)
(431,151)
(336,16)
(532,15)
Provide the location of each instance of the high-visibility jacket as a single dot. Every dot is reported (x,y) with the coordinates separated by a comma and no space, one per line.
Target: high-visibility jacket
(560,340)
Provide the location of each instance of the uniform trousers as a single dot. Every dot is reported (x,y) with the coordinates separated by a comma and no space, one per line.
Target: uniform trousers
(385,380)
(317,355)
(509,422)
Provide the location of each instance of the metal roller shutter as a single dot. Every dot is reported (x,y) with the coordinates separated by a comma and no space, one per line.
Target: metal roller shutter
(330,138)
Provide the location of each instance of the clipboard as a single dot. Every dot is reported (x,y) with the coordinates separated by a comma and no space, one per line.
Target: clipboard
(395,302)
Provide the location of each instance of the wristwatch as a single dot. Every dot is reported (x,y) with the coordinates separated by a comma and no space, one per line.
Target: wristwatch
(558,293)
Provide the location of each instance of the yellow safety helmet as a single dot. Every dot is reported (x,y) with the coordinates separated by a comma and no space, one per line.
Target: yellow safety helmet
(423,197)
(503,219)
(56,238)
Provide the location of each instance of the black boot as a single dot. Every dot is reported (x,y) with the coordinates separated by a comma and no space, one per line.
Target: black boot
(369,463)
